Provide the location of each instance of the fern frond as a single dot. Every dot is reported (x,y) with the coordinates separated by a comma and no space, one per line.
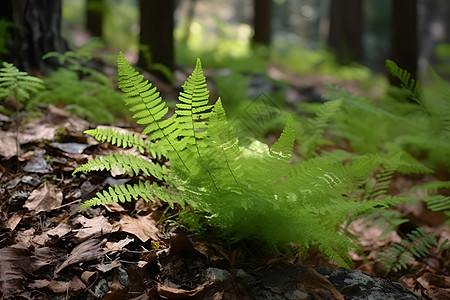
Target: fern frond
(193,111)
(418,244)
(124,163)
(125,140)
(433,186)
(20,84)
(437,202)
(316,127)
(143,99)
(129,192)
(410,84)
(282,149)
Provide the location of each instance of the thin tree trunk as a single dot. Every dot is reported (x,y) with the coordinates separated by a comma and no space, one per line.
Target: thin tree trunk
(261,22)
(346,29)
(94,17)
(404,36)
(157,33)
(39,33)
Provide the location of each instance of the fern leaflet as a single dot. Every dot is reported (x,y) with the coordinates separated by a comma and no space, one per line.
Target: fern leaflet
(410,84)
(124,163)
(20,84)
(398,255)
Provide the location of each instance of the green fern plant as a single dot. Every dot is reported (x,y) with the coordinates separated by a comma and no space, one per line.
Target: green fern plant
(249,191)
(14,82)
(416,246)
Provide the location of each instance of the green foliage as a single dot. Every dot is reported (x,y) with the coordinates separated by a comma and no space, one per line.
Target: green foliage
(95,100)
(4,35)
(408,83)
(377,125)
(247,192)
(417,245)
(18,84)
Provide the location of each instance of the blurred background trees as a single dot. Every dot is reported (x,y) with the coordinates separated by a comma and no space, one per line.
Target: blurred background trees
(414,33)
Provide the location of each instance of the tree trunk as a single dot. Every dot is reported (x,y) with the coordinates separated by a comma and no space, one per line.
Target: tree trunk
(404,36)
(39,33)
(346,29)
(94,17)
(261,22)
(156,34)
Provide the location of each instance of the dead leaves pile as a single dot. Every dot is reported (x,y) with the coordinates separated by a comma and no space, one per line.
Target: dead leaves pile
(116,252)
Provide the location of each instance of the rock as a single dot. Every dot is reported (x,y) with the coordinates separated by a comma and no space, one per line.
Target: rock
(355,285)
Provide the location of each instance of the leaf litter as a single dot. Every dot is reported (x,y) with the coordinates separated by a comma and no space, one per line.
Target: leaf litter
(122,250)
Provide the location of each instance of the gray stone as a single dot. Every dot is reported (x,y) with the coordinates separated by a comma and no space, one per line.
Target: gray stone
(355,284)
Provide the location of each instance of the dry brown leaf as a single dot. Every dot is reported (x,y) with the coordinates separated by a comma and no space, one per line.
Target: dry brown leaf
(8,146)
(13,221)
(86,251)
(25,238)
(46,198)
(144,227)
(115,207)
(93,227)
(36,131)
(175,293)
(59,286)
(59,231)
(16,262)
(429,280)
(86,275)
(314,283)
(117,246)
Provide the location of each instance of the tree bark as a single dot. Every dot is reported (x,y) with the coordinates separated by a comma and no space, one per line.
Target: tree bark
(346,29)
(157,33)
(94,17)
(38,33)
(262,21)
(404,36)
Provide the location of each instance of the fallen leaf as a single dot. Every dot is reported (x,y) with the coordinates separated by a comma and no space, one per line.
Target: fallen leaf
(86,251)
(175,293)
(36,131)
(13,221)
(117,246)
(93,227)
(59,231)
(59,286)
(16,262)
(429,280)
(106,267)
(8,146)
(25,238)
(143,227)
(46,198)
(86,275)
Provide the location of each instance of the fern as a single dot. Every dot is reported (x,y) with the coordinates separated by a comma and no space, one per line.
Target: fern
(417,246)
(17,83)
(124,163)
(128,192)
(89,97)
(125,140)
(410,84)
(246,192)
(315,128)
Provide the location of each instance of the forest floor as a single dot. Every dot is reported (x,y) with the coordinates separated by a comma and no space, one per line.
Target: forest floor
(49,250)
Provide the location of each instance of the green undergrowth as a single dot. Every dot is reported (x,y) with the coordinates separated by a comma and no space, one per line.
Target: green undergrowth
(245,190)
(82,90)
